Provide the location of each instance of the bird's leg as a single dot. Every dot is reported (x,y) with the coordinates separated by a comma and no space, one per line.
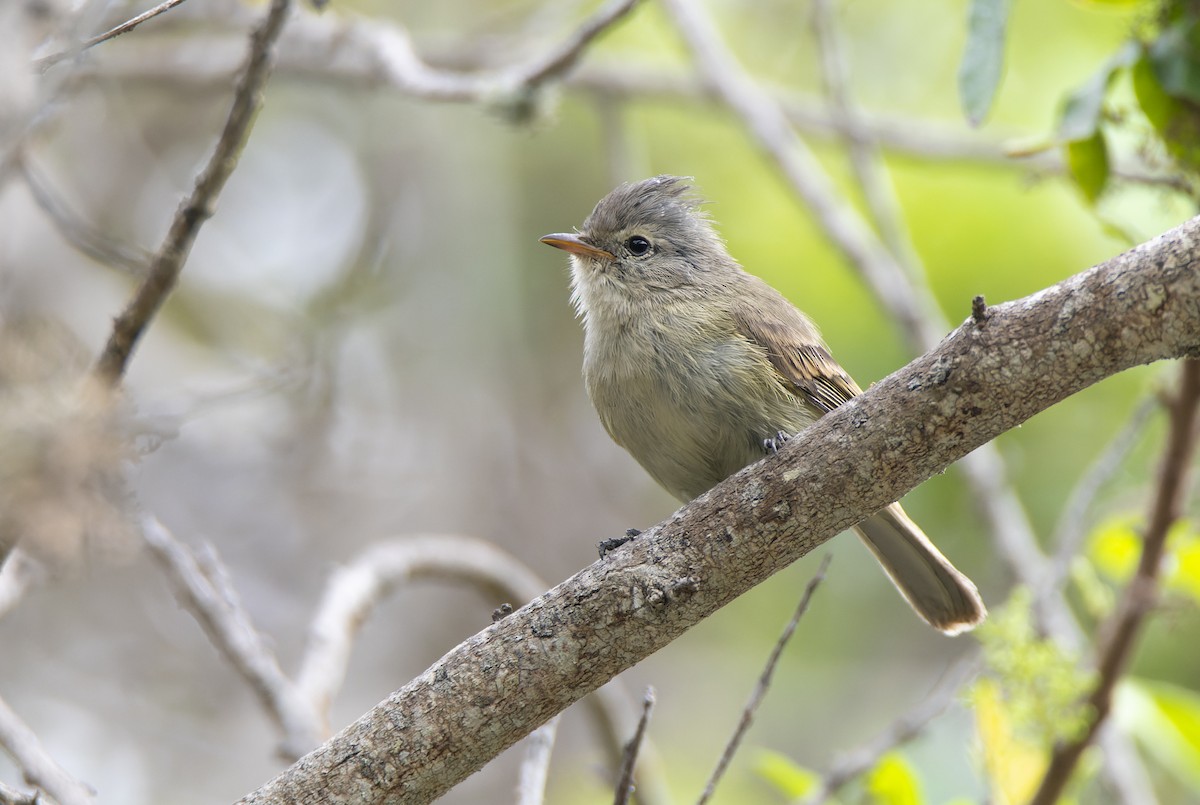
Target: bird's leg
(606,546)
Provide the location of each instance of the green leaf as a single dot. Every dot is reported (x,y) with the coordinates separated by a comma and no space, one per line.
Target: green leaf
(788,777)
(983,60)
(1165,718)
(1176,60)
(1082,111)
(893,781)
(1087,161)
(1157,105)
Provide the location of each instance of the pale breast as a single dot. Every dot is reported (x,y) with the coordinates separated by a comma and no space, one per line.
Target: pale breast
(691,406)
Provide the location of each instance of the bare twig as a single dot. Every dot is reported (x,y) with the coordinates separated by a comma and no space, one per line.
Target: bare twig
(535,768)
(764,683)
(384,54)
(18,573)
(866,158)
(78,232)
(612,714)
(35,763)
(198,206)
(217,609)
(560,60)
(1071,529)
(1137,601)
(46,62)
(625,777)
(904,729)
(355,590)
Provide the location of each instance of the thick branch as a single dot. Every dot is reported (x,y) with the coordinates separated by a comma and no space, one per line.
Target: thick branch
(982,380)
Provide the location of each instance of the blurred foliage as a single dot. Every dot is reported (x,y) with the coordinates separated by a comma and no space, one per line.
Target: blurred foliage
(1165,719)
(1115,546)
(893,781)
(784,775)
(1013,764)
(1038,682)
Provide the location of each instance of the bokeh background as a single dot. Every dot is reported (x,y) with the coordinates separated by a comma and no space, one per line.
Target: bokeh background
(369,342)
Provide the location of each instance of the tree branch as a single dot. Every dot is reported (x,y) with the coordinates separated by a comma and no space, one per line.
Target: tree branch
(980,381)
(902,730)
(36,764)
(625,778)
(198,206)
(763,685)
(208,596)
(46,62)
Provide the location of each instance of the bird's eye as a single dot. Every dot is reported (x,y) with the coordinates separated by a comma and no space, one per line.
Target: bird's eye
(638,245)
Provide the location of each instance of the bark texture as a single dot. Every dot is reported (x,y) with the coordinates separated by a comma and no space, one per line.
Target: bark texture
(999,368)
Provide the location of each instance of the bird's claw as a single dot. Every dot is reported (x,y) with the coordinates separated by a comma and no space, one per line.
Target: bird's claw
(607,546)
(777,441)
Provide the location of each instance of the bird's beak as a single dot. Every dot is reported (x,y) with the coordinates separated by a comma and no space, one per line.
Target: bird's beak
(575,245)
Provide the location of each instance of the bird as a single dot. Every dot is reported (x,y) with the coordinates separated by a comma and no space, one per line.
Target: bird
(698,368)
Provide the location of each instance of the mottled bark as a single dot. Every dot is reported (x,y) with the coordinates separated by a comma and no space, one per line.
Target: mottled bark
(1002,366)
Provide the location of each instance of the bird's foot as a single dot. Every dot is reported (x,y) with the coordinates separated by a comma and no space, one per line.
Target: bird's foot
(605,547)
(777,441)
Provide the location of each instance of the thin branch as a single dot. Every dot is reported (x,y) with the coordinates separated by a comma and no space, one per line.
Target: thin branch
(1121,631)
(78,232)
(1071,529)
(385,54)
(625,777)
(18,573)
(764,683)
(217,609)
(35,763)
(46,62)
(856,763)
(535,768)
(866,158)
(355,590)
(611,711)
(198,206)
(560,60)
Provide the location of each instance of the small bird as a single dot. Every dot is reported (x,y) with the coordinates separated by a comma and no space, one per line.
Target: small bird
(698,369)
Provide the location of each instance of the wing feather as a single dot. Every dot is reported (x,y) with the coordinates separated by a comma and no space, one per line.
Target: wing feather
(795,349)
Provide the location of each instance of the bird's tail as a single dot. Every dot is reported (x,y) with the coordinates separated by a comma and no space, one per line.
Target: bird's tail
(942,596)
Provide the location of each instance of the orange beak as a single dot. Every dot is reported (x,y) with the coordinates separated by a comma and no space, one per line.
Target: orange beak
(575,245)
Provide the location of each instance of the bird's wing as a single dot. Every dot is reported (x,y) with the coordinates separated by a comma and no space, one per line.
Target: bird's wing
(794,348)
